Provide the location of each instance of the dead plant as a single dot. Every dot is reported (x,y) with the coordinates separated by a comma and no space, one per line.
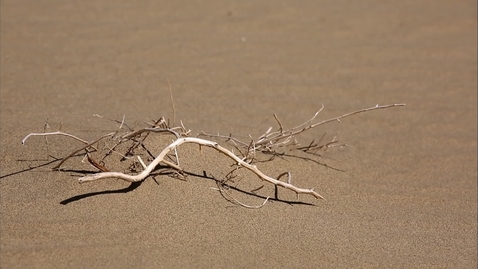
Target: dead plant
(130,145)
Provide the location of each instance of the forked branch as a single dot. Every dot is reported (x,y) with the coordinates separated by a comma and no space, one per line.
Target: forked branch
(141,176)
(271,142)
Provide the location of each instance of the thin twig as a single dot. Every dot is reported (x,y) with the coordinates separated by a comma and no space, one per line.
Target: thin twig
(233,200)
(172,101)
(278,122)
(57,167)
(53,133)
(261,144)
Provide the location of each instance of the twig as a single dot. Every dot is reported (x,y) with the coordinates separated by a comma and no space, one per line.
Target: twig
(54,133)
(274,138)
(278,122)
(45,127)
(57,167)
(233,200)
(96,164)
(172,102)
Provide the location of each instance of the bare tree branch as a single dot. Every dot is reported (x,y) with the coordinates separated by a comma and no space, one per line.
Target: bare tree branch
(271,142)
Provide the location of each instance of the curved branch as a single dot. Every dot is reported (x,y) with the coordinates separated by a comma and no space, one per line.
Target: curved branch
(141,176)
(53,133)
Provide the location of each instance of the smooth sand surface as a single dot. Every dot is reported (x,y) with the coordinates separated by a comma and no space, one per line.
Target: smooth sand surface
(407,196)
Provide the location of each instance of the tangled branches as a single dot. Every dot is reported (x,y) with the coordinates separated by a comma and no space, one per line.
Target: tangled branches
(131,145)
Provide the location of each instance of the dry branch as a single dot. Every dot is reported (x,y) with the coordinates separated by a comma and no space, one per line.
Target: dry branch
(202,142)
(281,138)
(271,142)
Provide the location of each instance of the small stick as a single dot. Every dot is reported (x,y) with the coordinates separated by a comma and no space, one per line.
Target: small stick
(57,167)
(278,121)
(53,133)
(121,125)
(172,102)
(229,197)
(45,127)
(141,162)
(96,164)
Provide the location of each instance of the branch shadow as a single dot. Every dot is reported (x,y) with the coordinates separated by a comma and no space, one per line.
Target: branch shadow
(296,156)
(135,185)
(45,163)
(131,187)
(28,169)
(275,198)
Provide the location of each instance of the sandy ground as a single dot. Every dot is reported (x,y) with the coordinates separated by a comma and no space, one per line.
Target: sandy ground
(407,197)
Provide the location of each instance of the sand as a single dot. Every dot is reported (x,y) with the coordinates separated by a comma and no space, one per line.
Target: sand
(407,195)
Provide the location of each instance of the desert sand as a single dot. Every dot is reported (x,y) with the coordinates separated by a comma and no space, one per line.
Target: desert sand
(404,194)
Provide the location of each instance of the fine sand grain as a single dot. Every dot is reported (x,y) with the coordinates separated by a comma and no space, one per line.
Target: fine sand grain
(407,195)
